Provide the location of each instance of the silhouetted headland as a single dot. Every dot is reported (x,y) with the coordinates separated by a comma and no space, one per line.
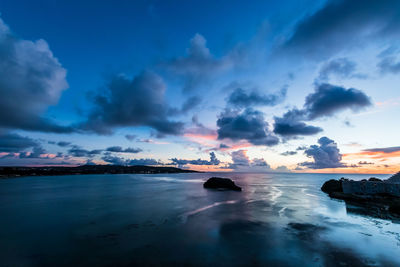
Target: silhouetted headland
(380,196)
(10,172)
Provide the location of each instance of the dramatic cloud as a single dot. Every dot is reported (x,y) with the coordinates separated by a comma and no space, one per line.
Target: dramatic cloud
(63,144)
(325,155)
(223,146)
(240,98)
(190,103)
(147,161)
(239,159)
(130,137)
(329,99)
(291,124)
(324,102)
(11,142)
(241,162)
(114,160)
(248,125)
(260,163)
(344,24)
(199,65)
(15,146)
(137,102)
(121,150)
(77,151)
(341,68)
(181,162)
(37,152)
(31,80)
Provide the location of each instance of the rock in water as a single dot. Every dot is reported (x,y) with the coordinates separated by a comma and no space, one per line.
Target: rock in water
(221,183)
(332,186)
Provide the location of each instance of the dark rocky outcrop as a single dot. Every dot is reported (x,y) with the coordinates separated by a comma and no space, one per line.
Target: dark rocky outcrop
(395,208)
(332,186)
(368,194)
(395,178)
(221,183)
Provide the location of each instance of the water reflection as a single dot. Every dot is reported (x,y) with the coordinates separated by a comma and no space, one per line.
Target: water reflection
(278,220)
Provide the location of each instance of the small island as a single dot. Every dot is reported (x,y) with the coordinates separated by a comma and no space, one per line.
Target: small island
(12,172)
(383,195)
(221,184)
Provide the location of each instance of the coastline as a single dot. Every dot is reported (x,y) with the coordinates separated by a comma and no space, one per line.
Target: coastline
(8,172)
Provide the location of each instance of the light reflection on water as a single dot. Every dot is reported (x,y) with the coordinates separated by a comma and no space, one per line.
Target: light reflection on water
(278,219)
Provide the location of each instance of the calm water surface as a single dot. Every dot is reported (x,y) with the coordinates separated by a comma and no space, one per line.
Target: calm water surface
(169,219)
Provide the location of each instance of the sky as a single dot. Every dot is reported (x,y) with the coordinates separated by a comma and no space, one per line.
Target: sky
(263,86)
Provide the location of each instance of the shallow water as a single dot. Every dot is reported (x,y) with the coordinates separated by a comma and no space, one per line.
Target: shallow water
(169,219)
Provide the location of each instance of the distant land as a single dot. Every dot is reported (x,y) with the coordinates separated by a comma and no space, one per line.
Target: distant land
(12,172)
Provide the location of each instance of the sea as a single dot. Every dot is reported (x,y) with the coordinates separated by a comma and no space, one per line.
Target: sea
(279,219)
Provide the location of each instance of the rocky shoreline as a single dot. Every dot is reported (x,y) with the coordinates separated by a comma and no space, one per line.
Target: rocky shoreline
(381,196)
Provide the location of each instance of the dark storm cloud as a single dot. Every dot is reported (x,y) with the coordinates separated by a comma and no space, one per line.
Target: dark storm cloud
(37,152)
(223,146)
(17,146)
(115,160)
(344,24)
(130,137)
(181,162)
(292,129)
(77,151)
(384,149)
(291,124)
(190,103)
(11,142)
(325,155)
(31,80)
(325,101)
(248,125)
(329,99)
(121,150)
(242,99)
(341,68)
(199,65)
(146,161)
(137,102)
(63,144)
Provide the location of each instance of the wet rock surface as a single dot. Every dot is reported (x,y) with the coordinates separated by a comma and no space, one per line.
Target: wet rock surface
(381,205)
(332,186)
